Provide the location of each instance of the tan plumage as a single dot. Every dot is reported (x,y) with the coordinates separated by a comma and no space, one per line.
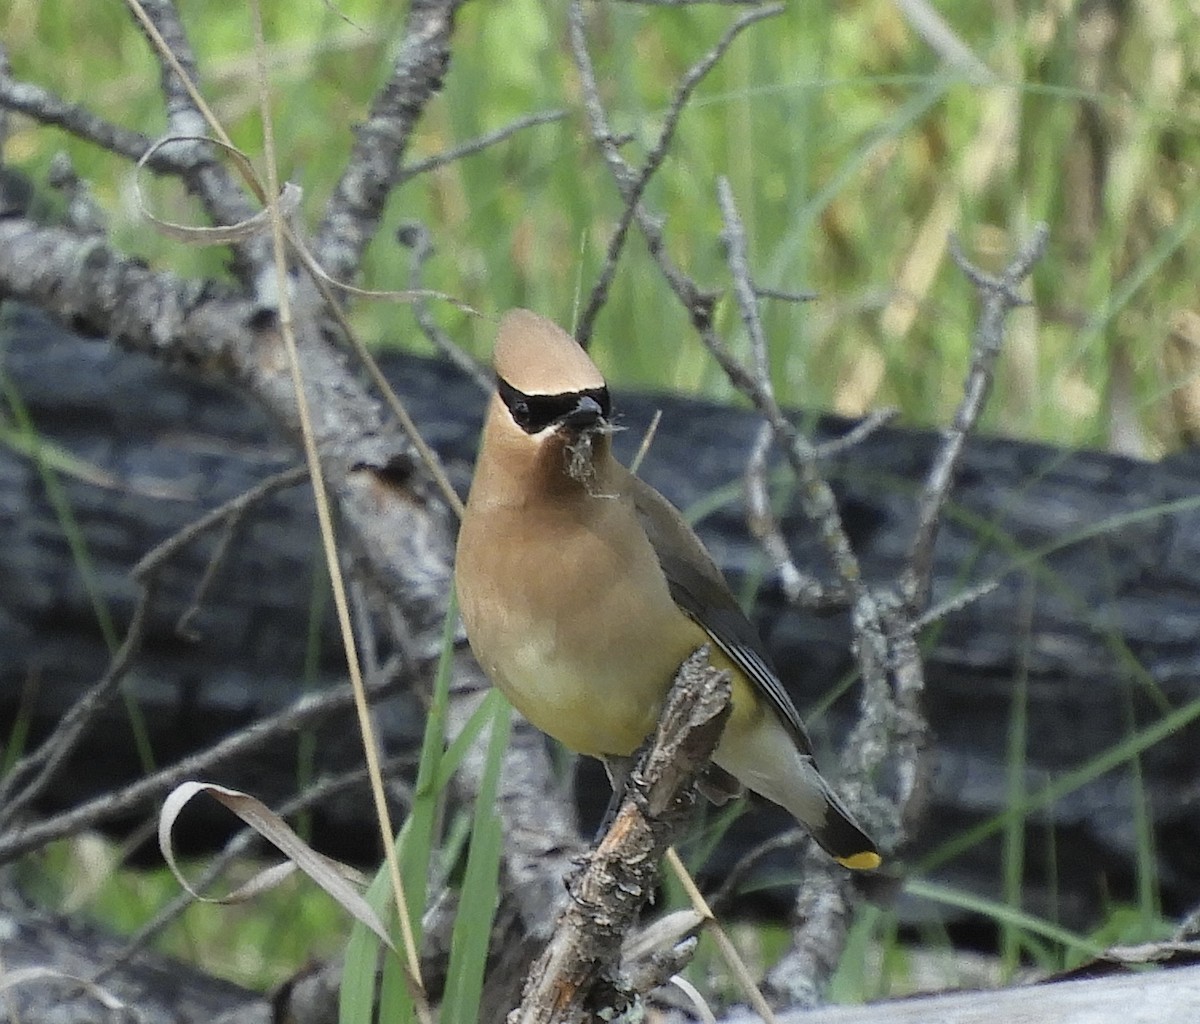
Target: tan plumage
(582,589)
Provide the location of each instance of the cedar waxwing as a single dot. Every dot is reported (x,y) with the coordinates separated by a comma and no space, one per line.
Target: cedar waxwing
(583,590)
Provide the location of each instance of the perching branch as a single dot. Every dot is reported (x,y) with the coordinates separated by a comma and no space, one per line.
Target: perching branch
(580,971)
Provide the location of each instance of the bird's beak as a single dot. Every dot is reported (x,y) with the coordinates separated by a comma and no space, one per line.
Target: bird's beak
(586,415)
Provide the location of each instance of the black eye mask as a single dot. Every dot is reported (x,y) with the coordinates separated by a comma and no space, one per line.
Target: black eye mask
(534,413)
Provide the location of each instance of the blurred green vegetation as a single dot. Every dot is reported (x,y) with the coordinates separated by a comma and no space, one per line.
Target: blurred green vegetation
(850,149)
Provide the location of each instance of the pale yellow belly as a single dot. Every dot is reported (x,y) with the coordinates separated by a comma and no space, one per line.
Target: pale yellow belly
(582,636)
(598,691)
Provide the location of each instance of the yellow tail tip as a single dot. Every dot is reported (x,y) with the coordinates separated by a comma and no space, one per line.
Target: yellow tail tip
(868,860)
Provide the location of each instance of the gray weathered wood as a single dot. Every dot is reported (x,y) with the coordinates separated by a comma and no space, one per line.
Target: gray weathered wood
(1154,997)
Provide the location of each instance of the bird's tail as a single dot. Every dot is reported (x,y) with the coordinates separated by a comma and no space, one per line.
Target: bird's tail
(842,837)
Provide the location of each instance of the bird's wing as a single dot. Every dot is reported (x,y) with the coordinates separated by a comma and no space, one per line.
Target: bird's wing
(698,587)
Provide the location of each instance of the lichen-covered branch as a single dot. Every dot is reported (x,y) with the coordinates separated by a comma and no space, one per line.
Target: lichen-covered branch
(376,162)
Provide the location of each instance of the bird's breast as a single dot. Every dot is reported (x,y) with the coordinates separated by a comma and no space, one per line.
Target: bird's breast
(572,618)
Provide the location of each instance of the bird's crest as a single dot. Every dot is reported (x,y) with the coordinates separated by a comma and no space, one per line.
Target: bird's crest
(537,357)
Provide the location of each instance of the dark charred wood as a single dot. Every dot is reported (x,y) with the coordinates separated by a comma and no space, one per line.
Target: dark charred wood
(1094,622)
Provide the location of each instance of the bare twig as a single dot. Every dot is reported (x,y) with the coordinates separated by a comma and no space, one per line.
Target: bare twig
(745,294)
(815,494)
(230,515)
(999,295)
(957,602)
(800,587)
(417,238)
(647,440)
(303,712)
(764,292)
(857,434)
(478,145)
(632,185)
(825,900)
(891,728)
(46,108)
(736,875)
(53,752)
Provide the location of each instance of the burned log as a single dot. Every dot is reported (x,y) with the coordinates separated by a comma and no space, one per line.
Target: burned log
(1086,648)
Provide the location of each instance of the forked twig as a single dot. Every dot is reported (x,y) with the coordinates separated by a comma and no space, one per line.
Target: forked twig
(1000,296)
(633,184)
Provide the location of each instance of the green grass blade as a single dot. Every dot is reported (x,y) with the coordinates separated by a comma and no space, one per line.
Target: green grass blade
(415,844)
(1116,755)
(1003,914)
(480,890)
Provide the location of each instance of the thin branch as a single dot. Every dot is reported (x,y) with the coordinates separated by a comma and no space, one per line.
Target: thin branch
(999,295)
(957,602)
(857,434)
(630,184)
(53,752)
(799,587)
(376,161)
(234,508)
(417,238)
(740,872)
(738,259)
(816,496)
(764,292)
(303,712)
(456,153)
(46,108)
(230,515)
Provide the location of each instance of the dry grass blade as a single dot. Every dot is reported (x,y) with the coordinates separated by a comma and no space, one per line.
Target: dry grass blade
(31,975)
(328,874)
(412,966)
(224,234)
(729,952)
